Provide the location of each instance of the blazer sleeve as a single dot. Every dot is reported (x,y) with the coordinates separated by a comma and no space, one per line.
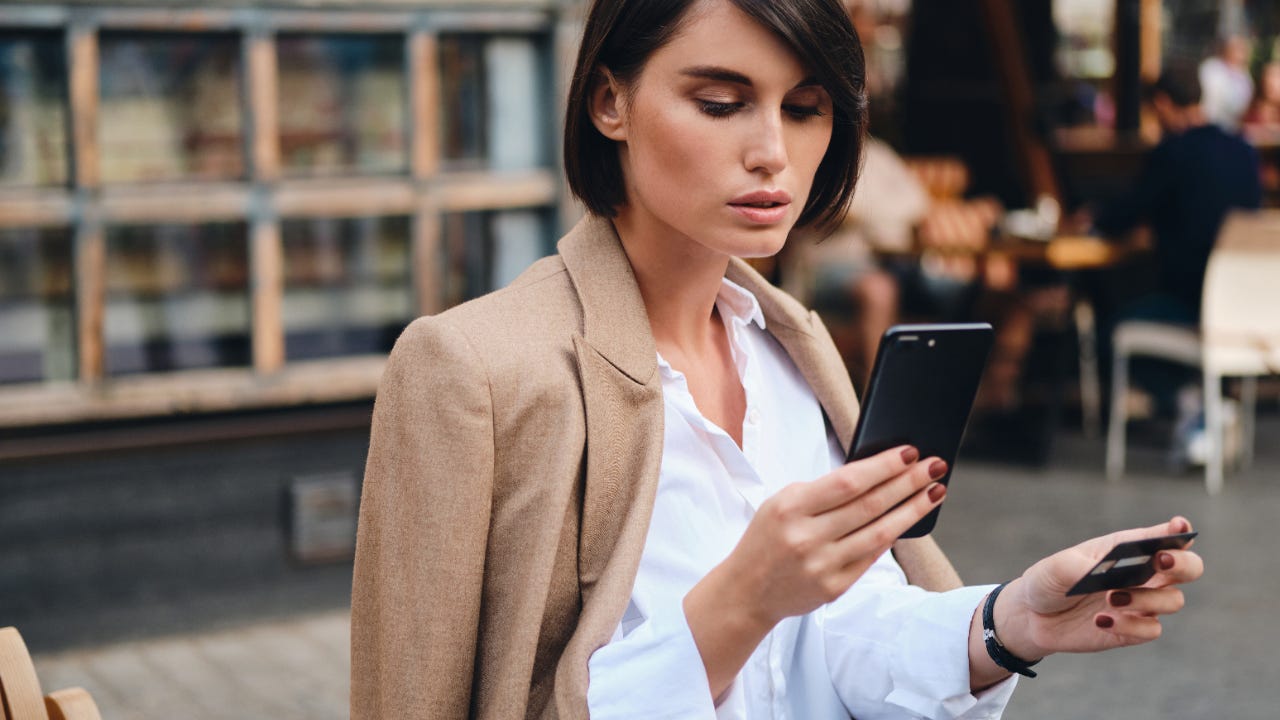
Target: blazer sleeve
(424,521)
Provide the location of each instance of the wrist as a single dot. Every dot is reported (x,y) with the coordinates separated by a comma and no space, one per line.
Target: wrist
(737,600)
(725,626)
(1015,623)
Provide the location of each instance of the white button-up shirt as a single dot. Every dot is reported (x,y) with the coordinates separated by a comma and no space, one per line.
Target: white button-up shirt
(884,649)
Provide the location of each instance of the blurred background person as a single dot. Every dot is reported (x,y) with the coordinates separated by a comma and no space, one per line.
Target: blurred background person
(1226,84)
(1262,122)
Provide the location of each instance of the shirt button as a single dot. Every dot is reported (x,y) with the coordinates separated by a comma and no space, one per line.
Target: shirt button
(753,417)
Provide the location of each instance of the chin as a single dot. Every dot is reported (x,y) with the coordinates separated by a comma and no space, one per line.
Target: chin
(761,244)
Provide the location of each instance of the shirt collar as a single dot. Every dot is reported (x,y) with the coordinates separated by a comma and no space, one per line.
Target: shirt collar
(736,304)
(739,303)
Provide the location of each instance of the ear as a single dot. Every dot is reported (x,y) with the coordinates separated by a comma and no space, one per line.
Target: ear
(606,106)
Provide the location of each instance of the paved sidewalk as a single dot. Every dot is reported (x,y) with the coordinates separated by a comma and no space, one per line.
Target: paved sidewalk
(1217,659)
(295,668)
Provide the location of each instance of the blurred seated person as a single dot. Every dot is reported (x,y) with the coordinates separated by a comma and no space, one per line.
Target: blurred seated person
(1226,85)
(912,249)
(1190,180)
(1262,122)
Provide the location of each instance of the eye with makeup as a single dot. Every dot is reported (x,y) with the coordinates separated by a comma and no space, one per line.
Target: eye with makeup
(717,109)
(803,112)
(807,102)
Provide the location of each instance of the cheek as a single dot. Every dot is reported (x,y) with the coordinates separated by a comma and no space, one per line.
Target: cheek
(670,154)
(808,148)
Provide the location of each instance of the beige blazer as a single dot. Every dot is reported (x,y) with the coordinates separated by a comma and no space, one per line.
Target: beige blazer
(511,476)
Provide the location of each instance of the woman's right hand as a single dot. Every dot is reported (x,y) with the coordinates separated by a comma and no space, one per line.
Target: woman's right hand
(805,546)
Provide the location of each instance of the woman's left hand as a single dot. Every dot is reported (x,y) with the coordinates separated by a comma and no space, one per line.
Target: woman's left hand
(1034,617)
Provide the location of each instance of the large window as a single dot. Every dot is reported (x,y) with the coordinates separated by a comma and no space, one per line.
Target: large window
(204,208)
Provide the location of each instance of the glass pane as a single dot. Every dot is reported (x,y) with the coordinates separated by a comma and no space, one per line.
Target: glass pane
(342,103)
(170,107)
(33,115)
(487,250)
(493,92)
(37,326)
(177,297)
(347,288)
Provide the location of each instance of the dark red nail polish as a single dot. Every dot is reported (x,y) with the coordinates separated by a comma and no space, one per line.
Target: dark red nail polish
(1120,598)
(937,469)
(1104,621)
(937,491)
(1165,561)
(910,454)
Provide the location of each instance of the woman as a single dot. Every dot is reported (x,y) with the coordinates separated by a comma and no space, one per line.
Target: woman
(616,487)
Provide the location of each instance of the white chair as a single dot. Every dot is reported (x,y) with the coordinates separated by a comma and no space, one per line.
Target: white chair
(1239,337)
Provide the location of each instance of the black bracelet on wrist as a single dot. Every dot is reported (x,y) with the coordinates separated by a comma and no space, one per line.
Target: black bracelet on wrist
(998,653)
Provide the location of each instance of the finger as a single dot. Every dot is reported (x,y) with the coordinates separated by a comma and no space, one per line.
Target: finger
(1147,601)
(844,519)
(1102,545)
(1129,627)
(873,539)
(1174,567)
(852,480)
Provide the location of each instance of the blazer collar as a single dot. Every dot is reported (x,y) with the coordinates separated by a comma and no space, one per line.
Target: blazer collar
(614,321)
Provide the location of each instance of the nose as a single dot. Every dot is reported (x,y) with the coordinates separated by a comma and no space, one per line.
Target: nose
(766,149)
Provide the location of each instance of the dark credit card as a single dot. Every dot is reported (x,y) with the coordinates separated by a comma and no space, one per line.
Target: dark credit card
(1129,564)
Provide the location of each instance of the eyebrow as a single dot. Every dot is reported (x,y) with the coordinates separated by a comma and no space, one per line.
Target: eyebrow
(713,72)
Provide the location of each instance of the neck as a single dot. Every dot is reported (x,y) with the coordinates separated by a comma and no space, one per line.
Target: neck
(1187,119)
(679,280)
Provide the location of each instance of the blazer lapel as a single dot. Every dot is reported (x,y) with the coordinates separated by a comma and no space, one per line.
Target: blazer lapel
(622,397)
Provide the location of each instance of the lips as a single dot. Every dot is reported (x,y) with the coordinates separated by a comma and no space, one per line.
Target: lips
(762,207)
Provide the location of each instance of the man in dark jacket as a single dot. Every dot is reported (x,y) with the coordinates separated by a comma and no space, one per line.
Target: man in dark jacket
(1191,180)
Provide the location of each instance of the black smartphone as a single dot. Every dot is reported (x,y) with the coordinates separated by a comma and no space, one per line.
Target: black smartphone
(921,391)
(1129,564)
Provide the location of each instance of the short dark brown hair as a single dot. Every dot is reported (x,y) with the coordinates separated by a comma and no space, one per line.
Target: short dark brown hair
(621,35)
(1180,82)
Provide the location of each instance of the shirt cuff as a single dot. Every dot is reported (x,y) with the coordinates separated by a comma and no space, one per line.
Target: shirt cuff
(929,668)
(655,671)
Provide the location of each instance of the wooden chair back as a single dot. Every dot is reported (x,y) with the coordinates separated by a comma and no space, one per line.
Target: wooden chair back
(20,694)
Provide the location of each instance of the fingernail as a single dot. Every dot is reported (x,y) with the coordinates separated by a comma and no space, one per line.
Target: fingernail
(937,469)
(910,454)
(1120,598)
(937,491)
(1183,526)
(1104,621)
(1165,560)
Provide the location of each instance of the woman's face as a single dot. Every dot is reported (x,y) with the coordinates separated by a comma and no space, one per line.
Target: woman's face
(719,136)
